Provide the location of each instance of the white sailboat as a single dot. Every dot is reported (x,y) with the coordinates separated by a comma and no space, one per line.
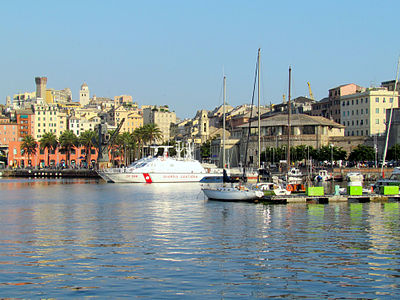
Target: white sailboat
(238,192)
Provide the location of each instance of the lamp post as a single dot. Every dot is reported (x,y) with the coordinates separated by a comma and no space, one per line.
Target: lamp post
(332,158)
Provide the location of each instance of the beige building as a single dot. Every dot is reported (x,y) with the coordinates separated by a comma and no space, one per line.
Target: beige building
(123,99)
(161,116)
(82,124)
(364,113)
(133,118)
(49,118)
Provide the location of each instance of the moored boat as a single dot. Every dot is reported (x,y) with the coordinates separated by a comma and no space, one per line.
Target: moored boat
(160,169)
(232,193)
(323,175)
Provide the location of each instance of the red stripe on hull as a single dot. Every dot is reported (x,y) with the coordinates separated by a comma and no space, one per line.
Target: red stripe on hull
(147,178)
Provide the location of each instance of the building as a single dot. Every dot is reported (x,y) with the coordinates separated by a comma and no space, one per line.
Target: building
(364,113)
(300,105)
(307,130)
(84,95)
(41,83)
(49,118)
(330,107)
(123,99)
(26,123)
(8,133)
(162,117)
(133,118)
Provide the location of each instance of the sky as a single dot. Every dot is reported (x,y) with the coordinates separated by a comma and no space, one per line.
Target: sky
(177,52)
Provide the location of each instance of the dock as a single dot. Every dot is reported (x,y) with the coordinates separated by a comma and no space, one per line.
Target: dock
(51,173)
(303,198)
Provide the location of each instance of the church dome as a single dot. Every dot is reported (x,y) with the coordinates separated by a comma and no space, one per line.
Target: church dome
(84,86)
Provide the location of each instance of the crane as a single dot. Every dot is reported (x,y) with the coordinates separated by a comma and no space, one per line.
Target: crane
(310,91)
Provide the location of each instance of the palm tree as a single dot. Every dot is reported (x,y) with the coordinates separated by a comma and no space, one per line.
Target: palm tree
(68,140)
(152,133)
(29,145)
(49,142)
(138,136)
(88,140)
(127,142)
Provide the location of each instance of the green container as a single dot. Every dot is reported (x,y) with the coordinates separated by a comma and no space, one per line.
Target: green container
(389,190)
(315,191)
(354,190)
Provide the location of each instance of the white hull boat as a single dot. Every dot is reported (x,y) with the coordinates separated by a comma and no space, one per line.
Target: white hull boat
(159,169)
(323,175)
(237,193)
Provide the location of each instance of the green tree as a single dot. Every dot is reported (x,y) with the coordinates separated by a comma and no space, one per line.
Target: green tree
(68,141)
(88,139)
(205,149)
(49,142)
(29,145)
(127,144)
(152,133)
(361,153)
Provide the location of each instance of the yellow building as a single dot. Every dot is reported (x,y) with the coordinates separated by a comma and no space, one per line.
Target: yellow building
(133,118)
(364,113)
(49,118)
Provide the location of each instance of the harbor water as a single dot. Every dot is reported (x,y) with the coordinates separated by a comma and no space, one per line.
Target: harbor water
(86,238)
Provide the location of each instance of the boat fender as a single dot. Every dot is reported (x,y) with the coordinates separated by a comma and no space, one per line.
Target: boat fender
(290,188)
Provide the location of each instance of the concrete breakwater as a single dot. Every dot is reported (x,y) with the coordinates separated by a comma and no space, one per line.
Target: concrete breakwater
(51,173)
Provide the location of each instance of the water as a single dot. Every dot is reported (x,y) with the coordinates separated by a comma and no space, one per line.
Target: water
(78,238)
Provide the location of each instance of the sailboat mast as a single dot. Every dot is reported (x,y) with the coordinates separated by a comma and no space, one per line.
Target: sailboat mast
(390,118)
(259,117)
(223,126)
(289,128)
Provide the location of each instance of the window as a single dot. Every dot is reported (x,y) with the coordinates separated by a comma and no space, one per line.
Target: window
(352,122)
(352,112)
(377,99)
(348,113)
(366,122)
(391,100)
(357,124)
(366,100)
(366,110)
(377,110)
(362,132)
(366,132)
(384,100)
(362,110)
(357,101)
(376,121)
(361,123)
(361,100)
(357,112)
(352,102)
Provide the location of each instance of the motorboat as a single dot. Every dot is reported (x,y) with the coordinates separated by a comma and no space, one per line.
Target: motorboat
(394,179)
(272,189)
(354,177)
(162,168)
(323,175)
(232,193)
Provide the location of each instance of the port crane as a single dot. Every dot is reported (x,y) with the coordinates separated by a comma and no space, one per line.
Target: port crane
(310,91)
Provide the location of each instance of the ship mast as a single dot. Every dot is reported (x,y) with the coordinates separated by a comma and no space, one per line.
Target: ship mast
(223,126)
(390,119)
(259,117)
(289,116)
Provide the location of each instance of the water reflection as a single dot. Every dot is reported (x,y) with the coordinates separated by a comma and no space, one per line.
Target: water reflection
(85,238)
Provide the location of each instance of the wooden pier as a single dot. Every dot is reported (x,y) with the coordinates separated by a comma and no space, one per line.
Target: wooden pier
(302,198)
(51,173)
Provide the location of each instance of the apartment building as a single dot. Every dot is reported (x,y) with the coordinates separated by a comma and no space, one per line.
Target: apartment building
(364,113)
(49,118)
(25,121)
(132,115)
(161,116)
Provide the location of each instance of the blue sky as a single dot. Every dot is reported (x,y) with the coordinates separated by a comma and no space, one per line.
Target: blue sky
(176,52)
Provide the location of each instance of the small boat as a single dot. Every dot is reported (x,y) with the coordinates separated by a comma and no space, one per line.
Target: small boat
(323,175)
(270,188)
(294,176)
(394,179)
(232,193)
(354,177)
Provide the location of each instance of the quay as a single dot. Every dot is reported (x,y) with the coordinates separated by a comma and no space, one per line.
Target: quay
(51,173)
(302,198)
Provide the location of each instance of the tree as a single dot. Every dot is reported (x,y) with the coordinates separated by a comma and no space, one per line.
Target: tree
(362,153)
(205,149)
(127,143)
(49,142)
(88,140)
(152,133)
(68,140)
(29,145)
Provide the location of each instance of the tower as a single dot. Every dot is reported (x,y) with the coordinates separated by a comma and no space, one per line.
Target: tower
(84,95)
(41,87)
